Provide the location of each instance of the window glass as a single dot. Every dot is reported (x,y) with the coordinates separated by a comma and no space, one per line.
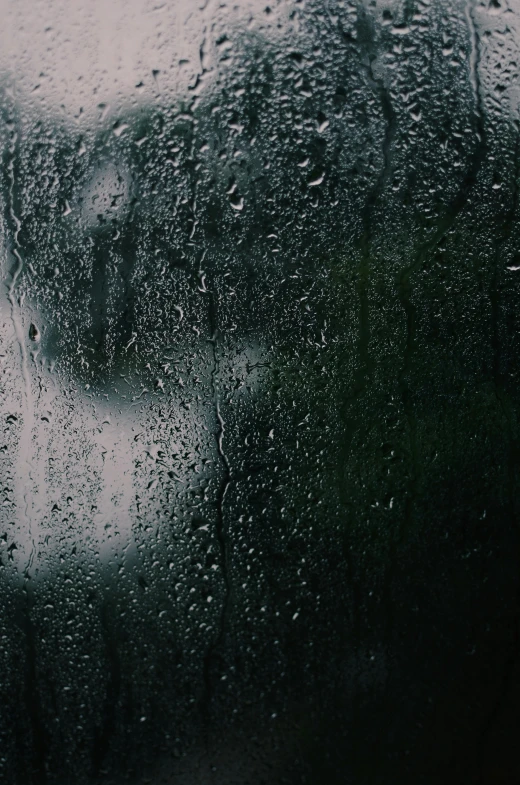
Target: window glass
(259,387)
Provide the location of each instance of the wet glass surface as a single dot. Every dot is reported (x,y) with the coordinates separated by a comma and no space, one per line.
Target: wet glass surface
(259,392)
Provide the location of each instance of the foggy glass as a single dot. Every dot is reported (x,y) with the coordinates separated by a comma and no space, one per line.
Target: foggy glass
(259,392)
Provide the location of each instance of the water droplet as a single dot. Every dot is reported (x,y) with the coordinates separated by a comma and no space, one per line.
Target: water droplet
(317,181)
(237,202)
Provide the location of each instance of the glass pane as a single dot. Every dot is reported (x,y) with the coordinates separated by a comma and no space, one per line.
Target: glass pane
(259,391)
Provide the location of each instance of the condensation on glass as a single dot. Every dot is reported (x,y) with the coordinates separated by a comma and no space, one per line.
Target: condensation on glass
(259,387)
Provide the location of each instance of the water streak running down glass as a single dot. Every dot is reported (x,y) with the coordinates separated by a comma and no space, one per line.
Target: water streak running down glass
(259,392)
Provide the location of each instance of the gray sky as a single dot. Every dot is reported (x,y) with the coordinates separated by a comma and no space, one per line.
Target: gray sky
(80,53)
(73,55)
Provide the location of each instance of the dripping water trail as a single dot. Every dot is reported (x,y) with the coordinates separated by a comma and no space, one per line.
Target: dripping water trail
(474,65)
(365,367)
(25,505)
(226,476)
(32,695)
(366,363)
